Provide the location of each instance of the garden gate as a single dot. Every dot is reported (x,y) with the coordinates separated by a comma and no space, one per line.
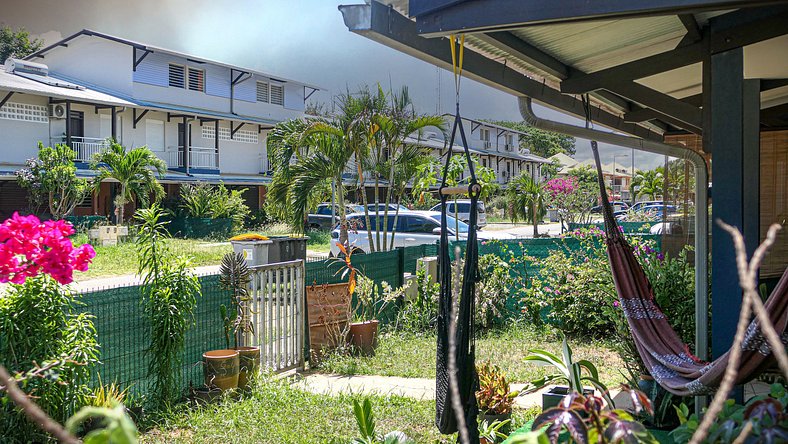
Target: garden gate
(277,313)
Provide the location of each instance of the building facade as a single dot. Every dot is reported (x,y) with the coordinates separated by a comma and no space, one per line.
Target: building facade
(207,120)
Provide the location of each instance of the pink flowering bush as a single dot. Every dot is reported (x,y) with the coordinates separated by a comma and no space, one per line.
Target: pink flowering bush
(29,247)
(571,198)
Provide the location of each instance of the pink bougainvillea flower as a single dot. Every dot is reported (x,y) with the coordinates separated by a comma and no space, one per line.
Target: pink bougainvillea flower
(29,247)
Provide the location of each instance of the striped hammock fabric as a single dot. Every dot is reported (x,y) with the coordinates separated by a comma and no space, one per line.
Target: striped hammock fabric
(666,357)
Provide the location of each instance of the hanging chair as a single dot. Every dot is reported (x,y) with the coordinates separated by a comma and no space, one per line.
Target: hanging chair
(666,357)
(468,382)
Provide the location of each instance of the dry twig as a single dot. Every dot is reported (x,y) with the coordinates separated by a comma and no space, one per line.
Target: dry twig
(748,279)
(34,412)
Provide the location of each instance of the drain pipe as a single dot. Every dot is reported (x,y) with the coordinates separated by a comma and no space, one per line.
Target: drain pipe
(701,203)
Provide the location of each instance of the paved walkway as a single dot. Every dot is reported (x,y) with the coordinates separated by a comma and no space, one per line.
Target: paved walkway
(416,388)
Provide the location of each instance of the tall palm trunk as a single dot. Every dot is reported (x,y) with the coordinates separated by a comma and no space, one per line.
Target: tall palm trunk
(535,219)
(364,202)
(343,228)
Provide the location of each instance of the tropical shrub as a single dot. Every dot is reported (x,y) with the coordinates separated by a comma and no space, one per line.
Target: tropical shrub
(51,180)
(214,202)
(492,291)
(44,341)
(419,315)
(169,293)
(495,396)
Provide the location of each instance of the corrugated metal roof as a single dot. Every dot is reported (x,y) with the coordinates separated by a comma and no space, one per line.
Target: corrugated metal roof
(591,46)
(19,84)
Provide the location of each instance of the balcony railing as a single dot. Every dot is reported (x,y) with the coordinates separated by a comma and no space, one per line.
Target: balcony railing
(86,147)
(201,157)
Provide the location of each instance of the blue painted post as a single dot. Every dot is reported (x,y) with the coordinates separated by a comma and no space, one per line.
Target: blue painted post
(734,127)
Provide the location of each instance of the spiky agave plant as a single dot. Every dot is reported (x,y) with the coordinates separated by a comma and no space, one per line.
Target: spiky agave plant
(235,277)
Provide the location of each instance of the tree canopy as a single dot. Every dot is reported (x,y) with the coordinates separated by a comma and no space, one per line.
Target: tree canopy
(540,142)
(17,43)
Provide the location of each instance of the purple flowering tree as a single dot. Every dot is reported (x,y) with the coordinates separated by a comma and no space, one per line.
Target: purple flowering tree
(573,199)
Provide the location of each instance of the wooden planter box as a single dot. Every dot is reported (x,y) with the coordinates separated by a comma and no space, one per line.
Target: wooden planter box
(328,309)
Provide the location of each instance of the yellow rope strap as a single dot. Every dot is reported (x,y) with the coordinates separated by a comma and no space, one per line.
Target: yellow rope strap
(456,59)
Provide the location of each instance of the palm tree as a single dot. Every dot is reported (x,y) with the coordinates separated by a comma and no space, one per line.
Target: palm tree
(135,170)
(528,200)
(307,156)
(646,183)
(393,158)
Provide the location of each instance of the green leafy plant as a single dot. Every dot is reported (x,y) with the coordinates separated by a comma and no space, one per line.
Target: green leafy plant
(169,294)
(491,432)
(366,427)
(235,277)
(371,300)
(50,346)
(51,180)
(763,419)
(214,202)
(114,425)
(586,420)
(574,374)
(492,291)
(494,396)
(419,315)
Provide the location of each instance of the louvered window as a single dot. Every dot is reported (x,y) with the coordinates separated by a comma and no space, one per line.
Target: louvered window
(196,79)
(277,94)
(262,92)
(176,76)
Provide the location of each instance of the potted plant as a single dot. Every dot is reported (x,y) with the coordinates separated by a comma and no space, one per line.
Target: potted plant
(363,333)
(235,277)
(574,374)
(495,397)
(220,369)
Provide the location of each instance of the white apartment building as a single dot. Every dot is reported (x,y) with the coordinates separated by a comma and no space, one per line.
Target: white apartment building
(207,120)
(497,147)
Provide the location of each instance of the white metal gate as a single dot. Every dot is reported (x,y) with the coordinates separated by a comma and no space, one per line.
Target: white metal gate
(278,315)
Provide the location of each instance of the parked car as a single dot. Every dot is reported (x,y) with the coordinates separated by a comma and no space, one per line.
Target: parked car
(381,207)
(463,211)
(618,206)
(413,228)
(638,206)
(656,211)
(321,219)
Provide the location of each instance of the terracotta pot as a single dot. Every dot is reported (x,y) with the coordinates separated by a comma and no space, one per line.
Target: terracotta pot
(363,336)
(249,359)
(221,369)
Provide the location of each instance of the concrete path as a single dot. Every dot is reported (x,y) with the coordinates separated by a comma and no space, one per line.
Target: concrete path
(416,388)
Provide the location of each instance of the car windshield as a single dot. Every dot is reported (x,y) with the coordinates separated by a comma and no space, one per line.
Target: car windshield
(452,223)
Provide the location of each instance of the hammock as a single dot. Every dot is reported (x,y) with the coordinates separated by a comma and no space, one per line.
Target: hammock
(465,349)
(666,357)
(467,379)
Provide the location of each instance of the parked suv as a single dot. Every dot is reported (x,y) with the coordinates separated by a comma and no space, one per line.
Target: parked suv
(463,211)
(413,228)
(321,218)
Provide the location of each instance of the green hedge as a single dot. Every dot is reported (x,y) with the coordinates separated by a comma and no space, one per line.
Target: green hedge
(629,227)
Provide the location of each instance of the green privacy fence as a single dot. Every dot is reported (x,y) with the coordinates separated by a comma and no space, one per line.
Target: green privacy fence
(123,330)
(124,334)
(82,223)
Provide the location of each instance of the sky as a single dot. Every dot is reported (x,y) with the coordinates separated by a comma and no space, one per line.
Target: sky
(303,40)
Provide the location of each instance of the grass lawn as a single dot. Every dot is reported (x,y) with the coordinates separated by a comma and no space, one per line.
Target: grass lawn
(122,259)
(277,412)
(409,355)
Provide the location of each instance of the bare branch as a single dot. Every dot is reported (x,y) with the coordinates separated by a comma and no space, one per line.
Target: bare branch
(748,281)
(34,412)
